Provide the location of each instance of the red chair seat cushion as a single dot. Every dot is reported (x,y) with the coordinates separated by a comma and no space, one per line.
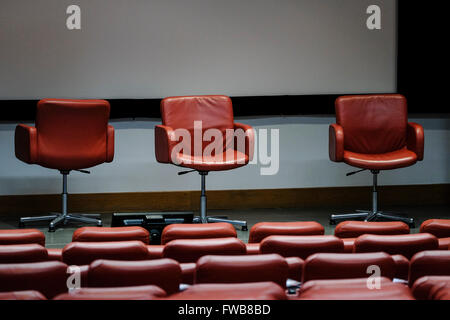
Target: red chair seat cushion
(429,263)
(197,231)
(437,227)
(103,234)
(148,292)
(354,229)
(22,236)
(21,253)
(386,161)
(264,229)
(423,287)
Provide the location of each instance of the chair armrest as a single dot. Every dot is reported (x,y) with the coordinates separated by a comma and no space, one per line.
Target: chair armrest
(249,139)
(415,139)
(165,140)
(110,144)
(336,143)
(25,142)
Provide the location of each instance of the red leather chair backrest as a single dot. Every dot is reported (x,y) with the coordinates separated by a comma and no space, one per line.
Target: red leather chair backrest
(424,286)
(301,246)
(323,266)
(373,123)
(429,263)
(215,111)
(49,278)
(232,291)
(238,269)
(22,236)
(190,250)
(197,231)
(264,229)
(354,229)
(22,295)
(103,234)
(82,253)
(164,273)
(22,253)
(406,245)
(148,292)
(440,228)
(72,134)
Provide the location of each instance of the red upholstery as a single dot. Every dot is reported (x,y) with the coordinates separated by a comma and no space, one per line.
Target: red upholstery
(22,236)
(349,244)
(214,112)
(437,227)
(69,135)
(354,229)
(301,246)
(148,292)
(252,248)
(190,250)
(155,251)
(444,243)
(401,267)
(264,229)
(49,278)
(239,269)
(429,263)
(54,254)
(197,231)
(164,273)
(82,253)
(22,295)
(406,245)
(188,272)
(346,265)
(295,266)
(423,287)
(440,293)
(103,234)
(353,289)
(372,132)
(20,253)
(233,291)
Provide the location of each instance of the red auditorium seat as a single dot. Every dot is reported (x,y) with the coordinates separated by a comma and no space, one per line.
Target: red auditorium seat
(148,292)
(22,295)
(242,269)
(353,289)
(82,253)
(197,231)
(323,266)
(234,291)
(264,229)
(21,253)
(406,245)
(429,263)
(295,265)
(301,246)
(22,236)
(102,234)
(354,229)
(372,132)
(69,135)
(164,273)
(440,293)
(423,287)
(440,228)
(188,272)
(190,250)
(48,278)
(194,116)
(401,267)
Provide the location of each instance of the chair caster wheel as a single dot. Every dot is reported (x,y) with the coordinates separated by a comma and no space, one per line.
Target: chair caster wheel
(244,228)
(51,229)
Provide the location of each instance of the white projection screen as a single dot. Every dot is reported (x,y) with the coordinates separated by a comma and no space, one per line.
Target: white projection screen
(143,49)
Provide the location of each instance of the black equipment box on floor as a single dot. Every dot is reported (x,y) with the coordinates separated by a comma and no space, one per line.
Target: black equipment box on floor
(154,222)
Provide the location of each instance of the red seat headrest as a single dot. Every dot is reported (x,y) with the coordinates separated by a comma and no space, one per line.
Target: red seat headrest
(123,293)
(234,291)
(103,234)
(301,246)
(197,231)
(264,229)
(22,295)
(20,253)
(82,253)
(164,273)
(429,263)
(406,245)
(354,229)
(238,269)
(440,228)
(49,278)
(347,265)
(22,236)
(190,250)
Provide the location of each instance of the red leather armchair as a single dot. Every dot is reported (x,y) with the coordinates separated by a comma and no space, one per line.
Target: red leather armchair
(69,135)
(199,133)
(373,133)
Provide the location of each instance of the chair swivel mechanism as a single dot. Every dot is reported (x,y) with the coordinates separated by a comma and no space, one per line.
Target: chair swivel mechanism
(373,133)
(199,133)
(69,135)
